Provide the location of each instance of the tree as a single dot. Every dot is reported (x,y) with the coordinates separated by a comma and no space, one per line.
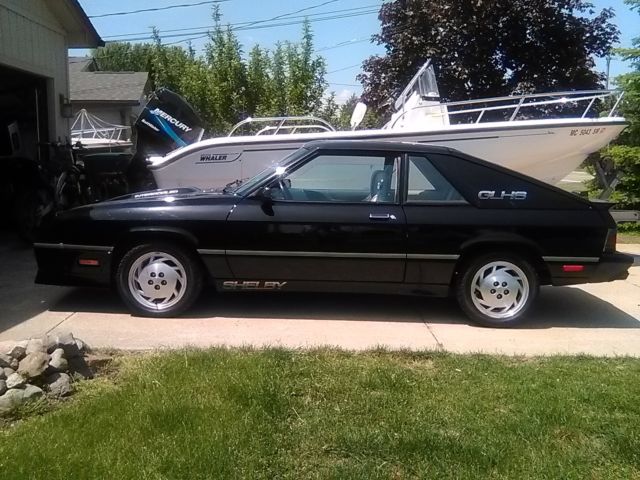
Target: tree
(306,74)
(623,158)
(489,47)
(123,57)
(223,85)
(260,88)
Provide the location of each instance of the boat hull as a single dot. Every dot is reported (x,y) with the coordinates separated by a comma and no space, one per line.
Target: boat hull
(544,149)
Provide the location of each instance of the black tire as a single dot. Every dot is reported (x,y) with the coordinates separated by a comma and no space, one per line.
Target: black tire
(181,290)
(481,299)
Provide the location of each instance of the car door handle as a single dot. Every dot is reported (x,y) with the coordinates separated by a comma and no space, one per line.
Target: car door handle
(381,216)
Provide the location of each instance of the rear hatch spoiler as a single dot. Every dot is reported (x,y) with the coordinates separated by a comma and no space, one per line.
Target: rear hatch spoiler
(602,205)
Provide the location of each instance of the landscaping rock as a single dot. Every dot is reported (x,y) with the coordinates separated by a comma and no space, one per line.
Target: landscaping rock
(97,361)
(31,391)
(3,387)
(6,360)
(15,380)
(58,363)
(78,367)
(8,371)
(3,375)
(35,345)
(11,399)
(83,347)
(34,364)
(67,342)
(59,384)
(18,352)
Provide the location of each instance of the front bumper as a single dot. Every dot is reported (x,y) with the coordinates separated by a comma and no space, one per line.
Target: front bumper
(610,267)
(60,264)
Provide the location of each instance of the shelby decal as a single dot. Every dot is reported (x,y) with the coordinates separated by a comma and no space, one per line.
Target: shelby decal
(170,119)
(218,157)
(253,285)
(493,195)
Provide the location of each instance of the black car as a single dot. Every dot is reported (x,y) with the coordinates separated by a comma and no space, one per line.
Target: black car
(344,216)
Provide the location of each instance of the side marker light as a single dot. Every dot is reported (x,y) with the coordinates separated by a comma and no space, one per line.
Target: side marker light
(573,268)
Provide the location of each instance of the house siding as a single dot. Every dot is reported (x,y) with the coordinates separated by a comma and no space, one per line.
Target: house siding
(32,40)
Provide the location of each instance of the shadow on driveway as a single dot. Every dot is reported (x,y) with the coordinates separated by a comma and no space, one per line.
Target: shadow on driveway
(555,307)
(20,298)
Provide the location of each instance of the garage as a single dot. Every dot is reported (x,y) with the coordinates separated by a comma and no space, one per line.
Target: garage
(35,36)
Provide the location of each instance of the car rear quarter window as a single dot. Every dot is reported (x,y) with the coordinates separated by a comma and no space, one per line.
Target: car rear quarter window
(426,184)
(490,186)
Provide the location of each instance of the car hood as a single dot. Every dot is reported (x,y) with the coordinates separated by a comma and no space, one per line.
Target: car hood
(166,196)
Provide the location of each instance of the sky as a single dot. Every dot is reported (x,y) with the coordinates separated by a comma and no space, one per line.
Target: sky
(344,42)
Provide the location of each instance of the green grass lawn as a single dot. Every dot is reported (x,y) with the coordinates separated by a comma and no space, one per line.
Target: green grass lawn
(226,414)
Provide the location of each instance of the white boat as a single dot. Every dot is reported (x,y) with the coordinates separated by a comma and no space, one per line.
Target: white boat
(518,132)
(93,133)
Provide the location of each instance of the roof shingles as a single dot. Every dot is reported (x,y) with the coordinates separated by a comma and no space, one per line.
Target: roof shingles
(121,87)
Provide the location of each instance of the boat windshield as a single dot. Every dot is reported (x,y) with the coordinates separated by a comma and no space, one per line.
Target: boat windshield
(246,186)
(423,83)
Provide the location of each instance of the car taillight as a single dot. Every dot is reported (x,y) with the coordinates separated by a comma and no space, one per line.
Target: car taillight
(612,239)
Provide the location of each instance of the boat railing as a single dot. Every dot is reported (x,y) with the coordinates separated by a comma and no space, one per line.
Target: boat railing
(517,103)
(108,133)
(88,126)
(278,125)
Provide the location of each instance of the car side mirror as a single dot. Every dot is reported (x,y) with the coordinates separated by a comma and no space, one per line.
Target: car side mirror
(264,195)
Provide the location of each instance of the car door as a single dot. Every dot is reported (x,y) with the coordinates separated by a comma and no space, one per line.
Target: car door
(437,222)
(334,217)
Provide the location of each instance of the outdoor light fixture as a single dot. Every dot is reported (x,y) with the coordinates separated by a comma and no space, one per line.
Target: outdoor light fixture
(66,110)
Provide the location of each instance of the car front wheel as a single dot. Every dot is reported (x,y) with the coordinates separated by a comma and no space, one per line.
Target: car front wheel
(497,290)
(158,280)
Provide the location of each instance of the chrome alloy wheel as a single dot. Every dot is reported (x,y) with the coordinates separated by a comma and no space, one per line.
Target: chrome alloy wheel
(157,280)
(499,290)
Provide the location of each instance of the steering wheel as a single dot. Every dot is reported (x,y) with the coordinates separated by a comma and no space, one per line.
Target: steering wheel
(284,189)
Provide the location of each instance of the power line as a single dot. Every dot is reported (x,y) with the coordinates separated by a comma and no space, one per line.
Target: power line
(293,13)
(254,27)
(344,68)
(289,15)
(343,44)
(156,9)
(259,21)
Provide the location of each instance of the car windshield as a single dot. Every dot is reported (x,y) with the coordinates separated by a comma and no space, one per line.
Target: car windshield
(246,186)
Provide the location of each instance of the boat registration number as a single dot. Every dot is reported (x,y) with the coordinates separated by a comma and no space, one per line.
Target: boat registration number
(576,132)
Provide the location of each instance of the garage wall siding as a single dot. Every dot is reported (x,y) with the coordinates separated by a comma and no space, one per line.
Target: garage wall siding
(31,39)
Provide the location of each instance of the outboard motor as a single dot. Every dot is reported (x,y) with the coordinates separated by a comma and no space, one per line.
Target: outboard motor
(167,122)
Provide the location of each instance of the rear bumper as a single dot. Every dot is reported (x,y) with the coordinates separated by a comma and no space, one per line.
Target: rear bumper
(60,264)
(610,267)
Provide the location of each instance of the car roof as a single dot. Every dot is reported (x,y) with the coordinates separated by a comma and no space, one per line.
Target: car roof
(376,145)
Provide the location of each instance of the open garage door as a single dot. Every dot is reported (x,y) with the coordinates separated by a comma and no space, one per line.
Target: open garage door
(23,124)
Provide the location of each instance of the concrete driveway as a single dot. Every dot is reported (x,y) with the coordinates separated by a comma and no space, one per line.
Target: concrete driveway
(598,319)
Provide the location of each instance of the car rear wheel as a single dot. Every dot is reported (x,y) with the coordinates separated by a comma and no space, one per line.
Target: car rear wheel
(497,290)
(159,280)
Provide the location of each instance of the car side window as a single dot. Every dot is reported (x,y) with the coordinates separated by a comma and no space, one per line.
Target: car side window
(426,184)
(342,177)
